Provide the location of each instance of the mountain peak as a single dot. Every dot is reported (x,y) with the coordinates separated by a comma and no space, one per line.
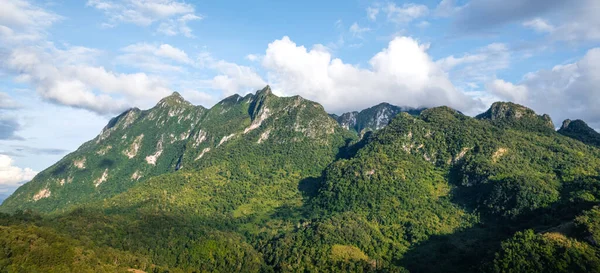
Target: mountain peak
(508,112)
(372,118)
(265,91)
(172,100)
(579,130)
(502,110)
(567,123)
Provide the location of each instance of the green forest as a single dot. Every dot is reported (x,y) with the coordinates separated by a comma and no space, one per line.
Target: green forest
(275,184)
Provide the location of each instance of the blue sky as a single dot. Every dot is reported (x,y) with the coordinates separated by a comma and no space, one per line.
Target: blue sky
(66,67)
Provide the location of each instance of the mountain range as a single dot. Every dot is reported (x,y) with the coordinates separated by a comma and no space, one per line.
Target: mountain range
(262,183)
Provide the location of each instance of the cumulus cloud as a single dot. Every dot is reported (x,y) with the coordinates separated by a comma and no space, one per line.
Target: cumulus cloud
(234,78)
(566,91)
(403,74)
(508,91)
(80,85)
(11,175)
(69,76)
(172,15)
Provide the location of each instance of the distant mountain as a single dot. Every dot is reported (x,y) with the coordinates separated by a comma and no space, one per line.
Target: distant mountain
(578,129)
(262,183)
(373,118)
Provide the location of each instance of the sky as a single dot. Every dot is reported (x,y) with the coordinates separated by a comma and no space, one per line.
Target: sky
(67,67)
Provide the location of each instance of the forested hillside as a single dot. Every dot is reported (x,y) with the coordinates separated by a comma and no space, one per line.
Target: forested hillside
(274,184)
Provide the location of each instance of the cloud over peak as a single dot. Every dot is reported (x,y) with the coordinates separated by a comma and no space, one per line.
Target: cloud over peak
(403,74)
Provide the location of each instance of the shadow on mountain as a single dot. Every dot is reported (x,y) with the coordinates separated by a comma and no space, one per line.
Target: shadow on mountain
(351,148)
(472,249)
(106,163)
(60,169)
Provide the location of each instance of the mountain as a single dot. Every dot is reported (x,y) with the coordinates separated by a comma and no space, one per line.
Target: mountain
(517,116)
(174,135)
(373,118)
(578,129)
(262,183)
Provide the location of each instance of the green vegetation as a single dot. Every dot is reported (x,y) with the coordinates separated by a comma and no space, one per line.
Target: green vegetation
(578,129)
(268,184)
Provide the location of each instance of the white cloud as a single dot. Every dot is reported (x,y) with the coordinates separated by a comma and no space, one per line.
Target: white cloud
(22,22)
(403,74)
(252,57)
(172,15)
(566,91)
(70,76)
(405,13)
(232,78)
(539,25)
(357,31)
(173,27)
(61,80)
(508,91)
(471,69)
(157,58)
(372,13)
(235,78)
(11,175)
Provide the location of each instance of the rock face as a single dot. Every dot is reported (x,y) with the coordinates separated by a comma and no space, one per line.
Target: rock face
(373,118)
(140,144)
(578,129)
(518,116)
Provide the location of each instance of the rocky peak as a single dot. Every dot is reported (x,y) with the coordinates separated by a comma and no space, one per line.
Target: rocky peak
(579,130)
(265,91)
(172,100)
(575,125)
(372,118)
(508,112)
(259,101)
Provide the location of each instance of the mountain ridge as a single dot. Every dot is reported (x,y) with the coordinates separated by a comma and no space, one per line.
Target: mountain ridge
(261,183)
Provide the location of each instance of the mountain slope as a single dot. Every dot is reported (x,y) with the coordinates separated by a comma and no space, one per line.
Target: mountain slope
(578,129)
(138,145)
(132,147)
(373,118)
